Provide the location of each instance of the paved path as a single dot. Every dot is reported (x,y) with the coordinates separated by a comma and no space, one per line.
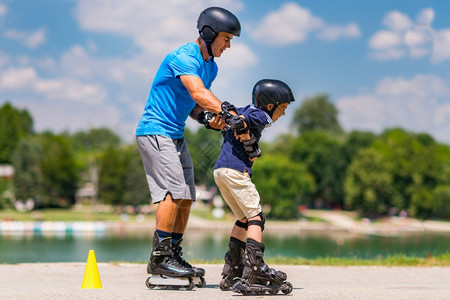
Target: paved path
(126,281)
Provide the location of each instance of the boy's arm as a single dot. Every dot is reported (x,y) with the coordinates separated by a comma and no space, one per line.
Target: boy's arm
(250,142)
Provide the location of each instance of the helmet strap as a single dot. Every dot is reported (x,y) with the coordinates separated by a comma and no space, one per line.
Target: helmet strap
(208,35)
(270,112)
(208,46)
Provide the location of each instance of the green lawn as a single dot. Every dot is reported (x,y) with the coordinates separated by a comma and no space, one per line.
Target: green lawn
(57,215)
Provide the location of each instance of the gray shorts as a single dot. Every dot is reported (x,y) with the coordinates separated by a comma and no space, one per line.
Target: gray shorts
(168,167)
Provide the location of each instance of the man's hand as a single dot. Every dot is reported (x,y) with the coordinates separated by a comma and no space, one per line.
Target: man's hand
(217,123)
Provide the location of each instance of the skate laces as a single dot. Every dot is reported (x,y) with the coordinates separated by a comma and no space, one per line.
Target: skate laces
(171,260)
(178,255)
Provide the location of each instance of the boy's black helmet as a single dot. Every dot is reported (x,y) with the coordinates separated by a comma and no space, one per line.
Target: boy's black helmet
(271,91)
(214,20)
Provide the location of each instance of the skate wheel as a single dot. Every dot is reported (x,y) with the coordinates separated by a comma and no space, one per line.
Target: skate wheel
(149,285)
(246,293)
(202,283)
(163,287)
(191,285)
(176,287)
(274,292)
(288,288)
(223,285)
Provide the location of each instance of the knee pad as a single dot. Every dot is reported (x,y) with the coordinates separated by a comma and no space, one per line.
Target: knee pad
(241,224)
(259,223)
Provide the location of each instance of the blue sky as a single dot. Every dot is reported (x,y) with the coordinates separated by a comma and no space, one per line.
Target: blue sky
(77,64)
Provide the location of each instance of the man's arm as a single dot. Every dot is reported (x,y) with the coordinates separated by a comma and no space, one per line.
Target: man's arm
(202,96)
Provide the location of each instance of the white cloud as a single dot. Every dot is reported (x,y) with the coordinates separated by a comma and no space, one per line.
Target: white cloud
(290,24)
(4,59)
(240,56)
(62,89)
(71,116)
(397,21)
(385,40)
(412,104)
(3,10)
(31,40)
(293,23)
(441,46)
(156,26)
(425,17)
(403,38)
(334,32)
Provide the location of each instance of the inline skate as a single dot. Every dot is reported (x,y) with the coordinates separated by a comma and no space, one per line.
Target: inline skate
(257,277)
(234,264)
(199,273)
(165,270)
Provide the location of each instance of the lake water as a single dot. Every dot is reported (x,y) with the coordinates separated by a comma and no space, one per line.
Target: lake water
(211,244)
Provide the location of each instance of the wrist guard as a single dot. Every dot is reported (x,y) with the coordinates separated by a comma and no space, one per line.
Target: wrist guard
(204,117)
(236,123)
(251,147)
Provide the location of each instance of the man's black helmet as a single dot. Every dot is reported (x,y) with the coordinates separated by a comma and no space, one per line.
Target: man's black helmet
(214,20)
(271,91)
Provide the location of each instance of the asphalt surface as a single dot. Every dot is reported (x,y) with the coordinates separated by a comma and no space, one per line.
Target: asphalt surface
(126,281)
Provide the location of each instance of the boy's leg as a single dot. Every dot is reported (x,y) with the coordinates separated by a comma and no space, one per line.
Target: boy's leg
(239,230)
(254,228)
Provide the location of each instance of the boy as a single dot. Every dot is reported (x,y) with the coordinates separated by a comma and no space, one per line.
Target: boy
(232,174)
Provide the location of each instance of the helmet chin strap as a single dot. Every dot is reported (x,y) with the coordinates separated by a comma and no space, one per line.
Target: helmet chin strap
(270,112)
(208,46)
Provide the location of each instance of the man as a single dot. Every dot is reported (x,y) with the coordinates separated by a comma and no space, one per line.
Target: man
(180,88)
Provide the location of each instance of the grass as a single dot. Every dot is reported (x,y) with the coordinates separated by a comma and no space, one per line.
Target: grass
(398,260)
(57,215)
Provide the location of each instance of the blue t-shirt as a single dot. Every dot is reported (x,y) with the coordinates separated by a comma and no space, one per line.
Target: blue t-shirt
(169,103)
(233,155)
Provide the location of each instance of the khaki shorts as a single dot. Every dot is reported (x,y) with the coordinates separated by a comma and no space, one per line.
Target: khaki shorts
(239,192)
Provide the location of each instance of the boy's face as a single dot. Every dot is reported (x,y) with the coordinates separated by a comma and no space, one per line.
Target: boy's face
(279,112)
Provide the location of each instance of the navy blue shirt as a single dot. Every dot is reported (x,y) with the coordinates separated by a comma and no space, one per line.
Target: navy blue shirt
(232,155)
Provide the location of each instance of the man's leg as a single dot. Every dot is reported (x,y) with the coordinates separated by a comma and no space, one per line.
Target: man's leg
(182,216)
(166,214)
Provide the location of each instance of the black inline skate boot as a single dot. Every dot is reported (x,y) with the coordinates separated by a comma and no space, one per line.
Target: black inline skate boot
(165,270)
(234,264)
(199,272)
(257,277)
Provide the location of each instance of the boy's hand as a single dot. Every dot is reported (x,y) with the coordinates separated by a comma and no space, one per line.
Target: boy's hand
(244,136)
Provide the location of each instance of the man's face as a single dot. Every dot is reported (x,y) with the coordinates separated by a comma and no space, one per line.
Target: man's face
(279,112)
(222,42)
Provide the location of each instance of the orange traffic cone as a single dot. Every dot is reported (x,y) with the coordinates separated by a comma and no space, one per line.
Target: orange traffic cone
(91,278)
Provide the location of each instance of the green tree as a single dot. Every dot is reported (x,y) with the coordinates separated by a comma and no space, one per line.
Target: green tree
(325,159)
(14,125)
(283,185)
(136,189)
(413,166)
(58,170)
(89,147)
(317,113)
(28,179)
(113,175)
(204,146)
(369,184)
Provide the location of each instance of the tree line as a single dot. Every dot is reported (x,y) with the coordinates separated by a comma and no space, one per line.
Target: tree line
(320,166)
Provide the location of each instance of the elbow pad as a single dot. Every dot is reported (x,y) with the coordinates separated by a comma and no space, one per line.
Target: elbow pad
(251,147)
